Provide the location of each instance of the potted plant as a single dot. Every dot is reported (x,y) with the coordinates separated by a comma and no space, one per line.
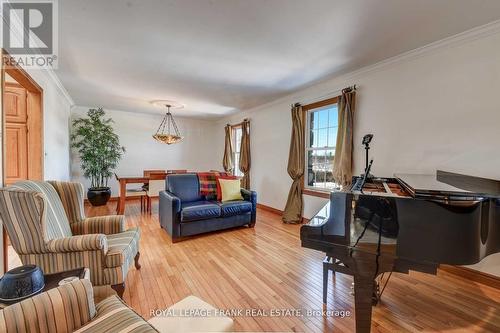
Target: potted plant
(99,149)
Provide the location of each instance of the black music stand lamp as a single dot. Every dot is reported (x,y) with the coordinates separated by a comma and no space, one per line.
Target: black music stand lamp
(366,141)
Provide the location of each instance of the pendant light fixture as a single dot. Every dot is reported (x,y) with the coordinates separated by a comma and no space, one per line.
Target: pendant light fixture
(168,132)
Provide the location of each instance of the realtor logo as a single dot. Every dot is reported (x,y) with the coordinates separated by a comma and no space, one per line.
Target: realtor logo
(29,33)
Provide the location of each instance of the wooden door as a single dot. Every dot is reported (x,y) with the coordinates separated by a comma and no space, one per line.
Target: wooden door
(16,133)
(22,130)
(15,103)
(16,138)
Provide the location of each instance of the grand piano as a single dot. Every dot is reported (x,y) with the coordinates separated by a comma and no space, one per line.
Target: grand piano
(408,222)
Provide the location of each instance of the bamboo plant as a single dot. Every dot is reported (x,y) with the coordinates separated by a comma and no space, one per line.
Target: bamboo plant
(98,147)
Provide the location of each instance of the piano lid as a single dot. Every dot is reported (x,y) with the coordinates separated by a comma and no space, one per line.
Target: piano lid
(449,184)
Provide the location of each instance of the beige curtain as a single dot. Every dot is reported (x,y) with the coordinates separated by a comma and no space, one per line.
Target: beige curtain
(294,203)
(342,163)
(245,154)
(227,161)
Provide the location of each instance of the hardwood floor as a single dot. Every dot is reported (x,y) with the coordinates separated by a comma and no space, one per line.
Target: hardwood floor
(265,268)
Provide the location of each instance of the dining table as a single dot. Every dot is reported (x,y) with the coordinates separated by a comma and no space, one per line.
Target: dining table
(124,180)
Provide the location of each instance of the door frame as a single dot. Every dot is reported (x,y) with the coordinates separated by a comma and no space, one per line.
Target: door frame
(34,108)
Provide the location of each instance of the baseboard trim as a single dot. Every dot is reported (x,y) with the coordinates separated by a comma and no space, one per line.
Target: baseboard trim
(114,199)
(473,275)
(276,211)
(270,209)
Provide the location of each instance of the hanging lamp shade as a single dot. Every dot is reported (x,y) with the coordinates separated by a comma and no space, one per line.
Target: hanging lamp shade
(168,132)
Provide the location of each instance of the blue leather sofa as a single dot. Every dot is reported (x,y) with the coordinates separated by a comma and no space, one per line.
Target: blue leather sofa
(184,212)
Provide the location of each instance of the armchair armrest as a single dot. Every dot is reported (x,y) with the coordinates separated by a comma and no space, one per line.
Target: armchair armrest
(69,307)
(107,225)
(170,207)
(92,242)
(174,201)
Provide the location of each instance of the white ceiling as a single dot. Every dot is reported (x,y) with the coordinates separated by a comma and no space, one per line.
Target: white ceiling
(217,56)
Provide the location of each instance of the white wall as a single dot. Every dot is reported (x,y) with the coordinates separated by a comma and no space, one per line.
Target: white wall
(56,115)
(432,109)
(436,108)
(135,130)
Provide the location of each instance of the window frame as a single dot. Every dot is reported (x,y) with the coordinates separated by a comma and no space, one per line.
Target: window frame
(236,170)
(306,189)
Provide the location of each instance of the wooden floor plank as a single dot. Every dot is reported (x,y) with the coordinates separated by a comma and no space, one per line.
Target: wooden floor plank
(265,268)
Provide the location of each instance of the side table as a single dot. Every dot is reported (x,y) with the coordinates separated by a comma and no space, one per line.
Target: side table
(52,280)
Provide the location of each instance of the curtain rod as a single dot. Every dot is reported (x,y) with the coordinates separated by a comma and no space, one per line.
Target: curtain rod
(331,94)
(237,124)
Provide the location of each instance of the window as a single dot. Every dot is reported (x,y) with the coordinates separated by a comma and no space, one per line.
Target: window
(236,137)
(321,139)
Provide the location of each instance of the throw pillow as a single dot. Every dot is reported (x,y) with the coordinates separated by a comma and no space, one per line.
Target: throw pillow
(219,192)
(231,189)
(208,184)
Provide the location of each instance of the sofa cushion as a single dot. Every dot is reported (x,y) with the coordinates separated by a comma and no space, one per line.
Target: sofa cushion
(199,210)
(231,208)
(184,186)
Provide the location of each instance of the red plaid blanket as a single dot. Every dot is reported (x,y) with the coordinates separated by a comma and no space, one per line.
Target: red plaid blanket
(208,184)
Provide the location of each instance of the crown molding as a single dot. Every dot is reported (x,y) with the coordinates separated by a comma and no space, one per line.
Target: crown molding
(343,80)
(62,90)
(455,40)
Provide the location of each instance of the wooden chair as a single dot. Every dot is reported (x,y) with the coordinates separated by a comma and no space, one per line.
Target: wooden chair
(176,171)
(136,192)
(155,186)
(146,173)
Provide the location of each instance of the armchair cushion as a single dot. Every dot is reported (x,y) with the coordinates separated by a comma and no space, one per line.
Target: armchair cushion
(107,225)
(231,208)
(66,308)
(71,195)
(21,213)
(115,316)
(122,247)
(57,225)
(199,210)
(78,243)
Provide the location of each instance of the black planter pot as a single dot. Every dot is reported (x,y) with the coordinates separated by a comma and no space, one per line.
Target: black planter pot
(98,196)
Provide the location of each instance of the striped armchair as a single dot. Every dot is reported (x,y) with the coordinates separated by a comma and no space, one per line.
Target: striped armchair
(47,227)
(71,308)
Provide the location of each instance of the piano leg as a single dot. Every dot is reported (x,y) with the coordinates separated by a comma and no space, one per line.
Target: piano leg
(363,292)
(327,266)
(325,281)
